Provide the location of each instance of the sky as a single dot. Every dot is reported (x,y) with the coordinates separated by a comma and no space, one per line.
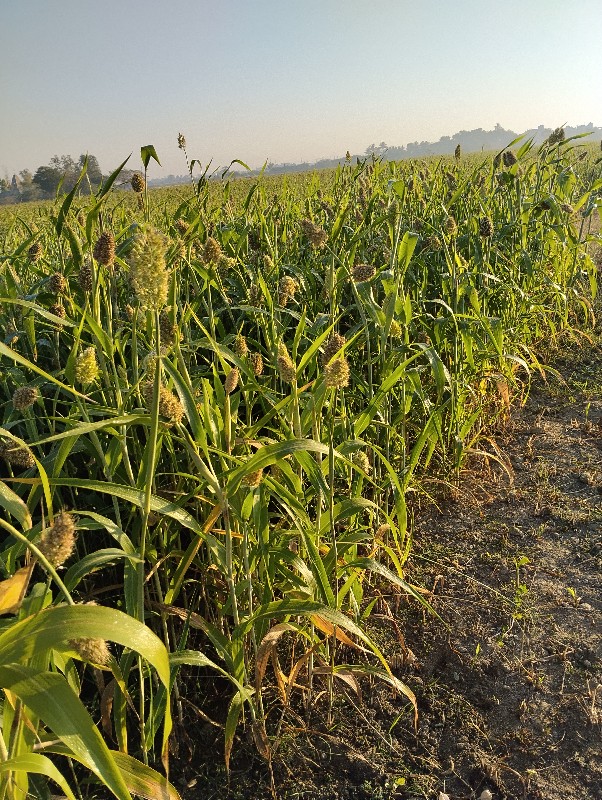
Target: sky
(284,80)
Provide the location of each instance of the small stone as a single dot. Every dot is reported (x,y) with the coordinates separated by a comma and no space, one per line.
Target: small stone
(586,607)
(486,795)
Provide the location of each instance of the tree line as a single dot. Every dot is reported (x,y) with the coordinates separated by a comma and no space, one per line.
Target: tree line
(60,174)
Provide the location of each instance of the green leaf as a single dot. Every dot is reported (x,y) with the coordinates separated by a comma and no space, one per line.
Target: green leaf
(38,310)
(7,352)
(51,698)
(55,627)
(81,428)
(143,781)
(158,504)
(66,205)
(12,503)
(235,161)
(146,153)
(37,764)
(340,219)
(270,455)
(92,562)
(234,712)
(365,417)
(92,215)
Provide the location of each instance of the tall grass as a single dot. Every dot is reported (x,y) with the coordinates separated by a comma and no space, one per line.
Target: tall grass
(235,394)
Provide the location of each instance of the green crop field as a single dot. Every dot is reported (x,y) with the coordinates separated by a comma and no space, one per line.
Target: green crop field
(222,403)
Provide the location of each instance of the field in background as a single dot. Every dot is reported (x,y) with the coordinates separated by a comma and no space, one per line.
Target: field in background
(238,392)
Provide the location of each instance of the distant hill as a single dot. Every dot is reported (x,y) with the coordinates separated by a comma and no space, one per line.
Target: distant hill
(470,142)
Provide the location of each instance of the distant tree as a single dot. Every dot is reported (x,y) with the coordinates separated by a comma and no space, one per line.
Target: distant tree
(63,172)
(47,179)
(29,190)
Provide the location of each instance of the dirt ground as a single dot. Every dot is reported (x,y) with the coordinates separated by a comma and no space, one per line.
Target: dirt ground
(509,680)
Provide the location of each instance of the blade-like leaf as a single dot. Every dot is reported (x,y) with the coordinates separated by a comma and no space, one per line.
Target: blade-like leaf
(12,503)
(51,698)
(36,763)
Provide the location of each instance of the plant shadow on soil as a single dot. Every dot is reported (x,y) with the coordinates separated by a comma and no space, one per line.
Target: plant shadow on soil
(509,681)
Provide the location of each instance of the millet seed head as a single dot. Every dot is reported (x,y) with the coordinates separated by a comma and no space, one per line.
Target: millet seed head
(557,136)
(138,183)
(182,226)
(148,271)
(332,347)
(231,381)
(58,541)
(16,455)
(509,158)
(240,346)
(225,263)
(212,250)
(104,249)
(57,283)
(86,367)
(433,242)
(286,290)
(85,277)
(485,227)
(363,272)
(167,329)
(35,252)
(94,651)
(255,295)
(361,460)
(381,531)
(58,309)
(336,373)
(169,404)
(256,363)
(451,226)
(181,141)
(24,397)
(253,479)
(317,236)
(286,368)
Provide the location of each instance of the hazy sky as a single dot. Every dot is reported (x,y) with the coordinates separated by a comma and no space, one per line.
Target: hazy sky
(286,80)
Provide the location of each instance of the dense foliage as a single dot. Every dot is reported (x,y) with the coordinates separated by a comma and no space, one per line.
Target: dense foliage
(233,393)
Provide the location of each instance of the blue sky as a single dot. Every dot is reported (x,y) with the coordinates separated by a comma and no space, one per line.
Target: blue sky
(286,80)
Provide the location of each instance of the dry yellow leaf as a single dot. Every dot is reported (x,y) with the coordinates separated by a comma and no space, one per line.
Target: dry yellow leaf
(329,629)
(12,591)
